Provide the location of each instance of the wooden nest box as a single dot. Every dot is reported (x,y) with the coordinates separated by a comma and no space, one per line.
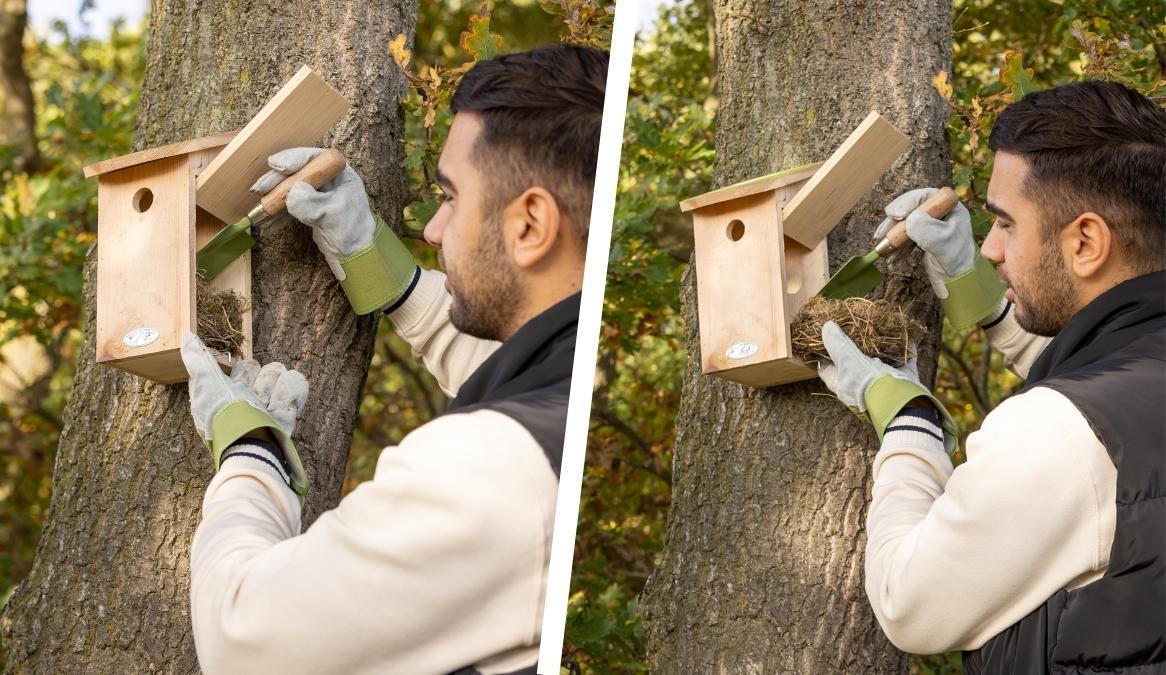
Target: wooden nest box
(148,232)
(157,207)
(761,254)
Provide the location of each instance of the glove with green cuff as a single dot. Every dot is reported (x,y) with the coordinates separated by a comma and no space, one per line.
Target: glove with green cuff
(373,266)
(225,409)
(875,391)
(964,281)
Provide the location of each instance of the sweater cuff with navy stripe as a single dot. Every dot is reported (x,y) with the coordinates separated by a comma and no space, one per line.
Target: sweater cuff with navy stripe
(264,452)
(915,428)
(997,315)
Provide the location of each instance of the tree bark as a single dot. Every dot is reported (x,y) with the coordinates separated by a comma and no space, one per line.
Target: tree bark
(763,564)
(17,112)
(109,590)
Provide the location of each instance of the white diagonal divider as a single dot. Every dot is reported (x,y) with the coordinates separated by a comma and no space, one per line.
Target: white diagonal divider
(587,340)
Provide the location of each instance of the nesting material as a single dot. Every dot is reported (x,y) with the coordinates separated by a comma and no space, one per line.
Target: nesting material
(877,327)
(220,317)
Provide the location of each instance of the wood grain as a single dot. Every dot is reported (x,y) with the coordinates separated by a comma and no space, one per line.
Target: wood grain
(843,179)
(144,270)
(161,152)
(751,280)
(236,277)
(298,115)
(145,265)
(753,186)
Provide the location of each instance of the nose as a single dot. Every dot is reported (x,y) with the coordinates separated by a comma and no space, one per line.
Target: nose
(435,228)
(993,249)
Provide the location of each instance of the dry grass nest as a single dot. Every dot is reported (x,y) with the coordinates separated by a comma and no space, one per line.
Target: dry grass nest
(220,317)
(879,328)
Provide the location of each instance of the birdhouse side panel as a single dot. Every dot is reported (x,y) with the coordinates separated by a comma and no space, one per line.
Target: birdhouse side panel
(237,276)
(806,272)
(737,245)
(145,261)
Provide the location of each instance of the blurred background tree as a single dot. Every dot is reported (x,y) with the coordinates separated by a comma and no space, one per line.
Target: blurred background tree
(1001,50)
(84,95)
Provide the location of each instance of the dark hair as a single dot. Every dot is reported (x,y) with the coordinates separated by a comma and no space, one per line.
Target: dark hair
(1094,146)
(541,111)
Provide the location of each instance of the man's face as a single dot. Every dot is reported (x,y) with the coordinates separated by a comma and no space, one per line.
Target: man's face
(1040,287)
(480,276)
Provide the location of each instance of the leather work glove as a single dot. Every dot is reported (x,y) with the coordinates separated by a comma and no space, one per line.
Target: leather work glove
(225,409)
(964,281)
(372,265)
(873,390)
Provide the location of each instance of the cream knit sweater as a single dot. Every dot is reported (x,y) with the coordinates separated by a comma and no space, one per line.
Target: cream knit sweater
(955,557)
(438,562)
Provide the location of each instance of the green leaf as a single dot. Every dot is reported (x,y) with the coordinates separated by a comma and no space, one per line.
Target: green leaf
(1016,77)
(478,41)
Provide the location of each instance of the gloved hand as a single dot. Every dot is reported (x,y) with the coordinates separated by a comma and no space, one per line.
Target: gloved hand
(965,282)
(875,391)
(373,266)
(227,408)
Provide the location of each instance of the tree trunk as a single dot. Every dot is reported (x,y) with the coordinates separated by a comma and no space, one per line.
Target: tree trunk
(109,590)
(763,563)
(17,114)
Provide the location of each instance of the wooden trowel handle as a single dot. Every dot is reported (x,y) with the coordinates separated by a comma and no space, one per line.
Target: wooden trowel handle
(323,168)
(937,206)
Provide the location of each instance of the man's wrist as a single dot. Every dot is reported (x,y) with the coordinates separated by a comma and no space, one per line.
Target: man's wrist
(261,433)
(923,404)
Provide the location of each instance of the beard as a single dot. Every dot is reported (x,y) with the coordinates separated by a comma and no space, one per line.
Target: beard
(486,290)
(1046,299)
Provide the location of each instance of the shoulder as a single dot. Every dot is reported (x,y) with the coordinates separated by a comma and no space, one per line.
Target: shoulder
(1040,430)
(1039,411)
(483,460)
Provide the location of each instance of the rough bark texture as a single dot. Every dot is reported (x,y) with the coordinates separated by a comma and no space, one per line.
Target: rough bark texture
(109,591)
(17,116)
(763,567)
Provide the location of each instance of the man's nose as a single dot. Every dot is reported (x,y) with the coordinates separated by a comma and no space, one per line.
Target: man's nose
(992,248)
(435,228)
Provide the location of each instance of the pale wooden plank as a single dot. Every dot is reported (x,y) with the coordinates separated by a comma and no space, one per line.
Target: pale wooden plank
(751,187)
(837,186)
(145,260)
(299,114)
(739,298)
(237,275)
(770,373)
(161,152)
(751,280)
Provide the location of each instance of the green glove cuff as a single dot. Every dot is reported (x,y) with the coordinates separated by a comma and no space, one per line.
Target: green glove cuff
(888,395)
(973,295)
(378,274)
(239,417)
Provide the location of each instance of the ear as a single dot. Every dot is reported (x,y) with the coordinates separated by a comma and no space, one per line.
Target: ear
(533,225)
(1088,245)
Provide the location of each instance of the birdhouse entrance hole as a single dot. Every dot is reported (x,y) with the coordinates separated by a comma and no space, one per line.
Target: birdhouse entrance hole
(736,230)
(143,199)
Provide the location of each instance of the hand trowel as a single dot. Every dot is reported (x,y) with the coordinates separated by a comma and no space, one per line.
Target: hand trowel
(859,275)
(234,240)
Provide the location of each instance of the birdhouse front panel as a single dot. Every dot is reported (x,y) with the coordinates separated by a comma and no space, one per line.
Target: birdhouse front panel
(751,280)
(145,266)
(148,231)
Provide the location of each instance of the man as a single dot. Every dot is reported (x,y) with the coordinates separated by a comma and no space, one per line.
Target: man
(1044,552)
(439,563)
